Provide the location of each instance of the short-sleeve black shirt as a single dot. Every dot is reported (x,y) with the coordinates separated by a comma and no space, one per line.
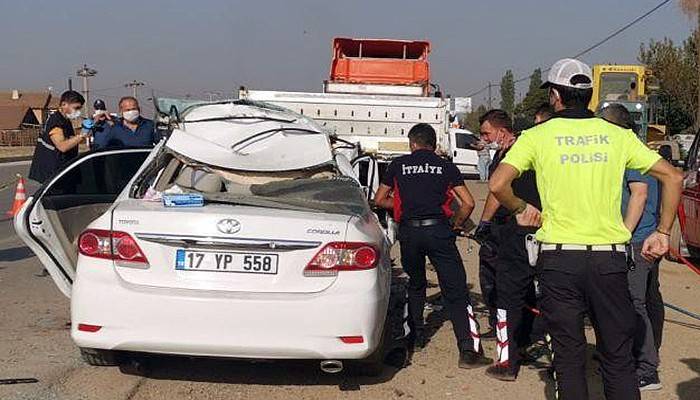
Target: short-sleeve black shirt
(422,183)
(525,186)
(47,158)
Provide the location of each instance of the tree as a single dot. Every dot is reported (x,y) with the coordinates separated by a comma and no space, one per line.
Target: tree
(676,69)
(692,9)
(535,97)
(508,92)
(471,120)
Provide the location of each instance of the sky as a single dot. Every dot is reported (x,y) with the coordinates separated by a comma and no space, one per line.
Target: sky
(192,47)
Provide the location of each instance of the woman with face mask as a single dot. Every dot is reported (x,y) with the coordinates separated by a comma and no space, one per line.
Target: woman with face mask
(58,143)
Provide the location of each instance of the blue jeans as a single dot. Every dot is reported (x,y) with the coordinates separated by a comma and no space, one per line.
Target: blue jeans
(483,167)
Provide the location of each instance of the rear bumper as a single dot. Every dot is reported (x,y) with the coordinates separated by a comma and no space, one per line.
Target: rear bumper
(206,323)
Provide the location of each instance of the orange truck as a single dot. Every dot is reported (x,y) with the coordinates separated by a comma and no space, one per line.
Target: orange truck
(380,66)
(377,90)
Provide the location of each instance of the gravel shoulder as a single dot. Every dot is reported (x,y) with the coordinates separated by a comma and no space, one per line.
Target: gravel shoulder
(36,343)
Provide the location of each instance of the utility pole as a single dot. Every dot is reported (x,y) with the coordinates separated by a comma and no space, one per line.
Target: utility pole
(134,85)
(86,72)
(489,102)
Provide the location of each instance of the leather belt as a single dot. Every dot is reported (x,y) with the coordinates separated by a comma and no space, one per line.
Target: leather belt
(619,248)
(417,223)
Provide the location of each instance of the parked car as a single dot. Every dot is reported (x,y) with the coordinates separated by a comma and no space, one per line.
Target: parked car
(689,210)
(464,153)
(277,256)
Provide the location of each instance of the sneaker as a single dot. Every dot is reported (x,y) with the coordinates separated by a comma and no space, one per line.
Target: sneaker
(469,359)
(418,342)
(649,383)
(501,372)
(534,353)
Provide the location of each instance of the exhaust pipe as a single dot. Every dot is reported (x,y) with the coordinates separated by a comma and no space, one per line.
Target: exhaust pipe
(331,366)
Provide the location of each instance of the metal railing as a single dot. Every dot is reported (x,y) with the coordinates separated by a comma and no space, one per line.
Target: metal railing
(19,137)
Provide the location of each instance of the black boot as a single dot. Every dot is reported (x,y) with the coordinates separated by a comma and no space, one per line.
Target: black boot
(501,371)
(469,359)
(417,341)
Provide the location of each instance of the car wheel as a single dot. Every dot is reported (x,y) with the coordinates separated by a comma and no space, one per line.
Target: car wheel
(373,365)
(675,242)
(694,252)
(100,358)
(392,349)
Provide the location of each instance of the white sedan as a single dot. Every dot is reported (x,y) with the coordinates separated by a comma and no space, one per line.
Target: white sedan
(238,236)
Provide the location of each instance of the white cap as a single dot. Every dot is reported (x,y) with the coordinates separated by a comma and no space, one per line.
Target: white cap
(563,72)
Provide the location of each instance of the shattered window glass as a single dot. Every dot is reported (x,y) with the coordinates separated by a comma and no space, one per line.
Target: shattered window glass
(317,190)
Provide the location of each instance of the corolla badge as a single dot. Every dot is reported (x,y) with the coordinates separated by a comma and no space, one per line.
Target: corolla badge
(228,225)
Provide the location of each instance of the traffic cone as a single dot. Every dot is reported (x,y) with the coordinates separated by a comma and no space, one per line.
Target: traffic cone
(20,197)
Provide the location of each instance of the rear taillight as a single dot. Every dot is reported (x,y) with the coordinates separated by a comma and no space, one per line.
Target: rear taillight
(342,256)
(112,245)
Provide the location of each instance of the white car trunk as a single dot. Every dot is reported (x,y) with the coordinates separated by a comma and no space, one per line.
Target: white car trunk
(294,237)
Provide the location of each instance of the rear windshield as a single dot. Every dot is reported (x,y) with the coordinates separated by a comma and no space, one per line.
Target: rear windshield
(321,189)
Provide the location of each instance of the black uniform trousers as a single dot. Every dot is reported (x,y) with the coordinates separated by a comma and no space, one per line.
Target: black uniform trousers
(655,305)
(515,297)
(575,283)
(437,242)
(488,255)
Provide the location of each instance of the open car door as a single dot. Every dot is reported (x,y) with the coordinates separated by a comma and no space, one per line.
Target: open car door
(369,171)
(51,220)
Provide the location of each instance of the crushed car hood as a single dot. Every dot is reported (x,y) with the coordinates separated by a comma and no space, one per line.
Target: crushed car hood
(247,138)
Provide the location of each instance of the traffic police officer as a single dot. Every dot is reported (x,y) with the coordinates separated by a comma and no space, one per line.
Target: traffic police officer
(514,277)
(420,188)
(580,161)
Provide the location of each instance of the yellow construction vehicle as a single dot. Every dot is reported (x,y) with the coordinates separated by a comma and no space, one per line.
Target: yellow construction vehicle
(633,87)
(618,82)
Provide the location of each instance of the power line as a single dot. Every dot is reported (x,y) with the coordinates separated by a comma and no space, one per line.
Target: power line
(592,47)
(172,94)
(624,28)
(107,89)
(134,85)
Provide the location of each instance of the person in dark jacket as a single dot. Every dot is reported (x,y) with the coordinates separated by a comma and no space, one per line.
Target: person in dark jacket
(131,130)
(58,142)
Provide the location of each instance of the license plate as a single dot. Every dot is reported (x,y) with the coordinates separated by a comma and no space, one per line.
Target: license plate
(251,263)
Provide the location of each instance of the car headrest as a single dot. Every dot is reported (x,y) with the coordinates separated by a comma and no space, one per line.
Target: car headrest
(199,180)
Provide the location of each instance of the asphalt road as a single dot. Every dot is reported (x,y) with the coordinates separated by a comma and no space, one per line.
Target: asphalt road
(34,327)
(8,172)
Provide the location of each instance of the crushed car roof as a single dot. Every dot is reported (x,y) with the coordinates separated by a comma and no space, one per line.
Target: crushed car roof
(250,137)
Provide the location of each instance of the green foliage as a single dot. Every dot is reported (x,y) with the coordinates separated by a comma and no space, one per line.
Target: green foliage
(525,111)
(675,68)
(471,120)
(508,92)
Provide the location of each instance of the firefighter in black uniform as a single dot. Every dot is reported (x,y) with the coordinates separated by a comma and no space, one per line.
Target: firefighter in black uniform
(515,287)
(420,188)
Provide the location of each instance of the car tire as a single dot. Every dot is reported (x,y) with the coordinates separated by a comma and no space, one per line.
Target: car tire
(675,242)
(100,358)
(393,348)
(694,252)
(373,365)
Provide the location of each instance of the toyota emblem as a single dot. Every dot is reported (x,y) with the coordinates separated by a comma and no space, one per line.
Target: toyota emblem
(229,226)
